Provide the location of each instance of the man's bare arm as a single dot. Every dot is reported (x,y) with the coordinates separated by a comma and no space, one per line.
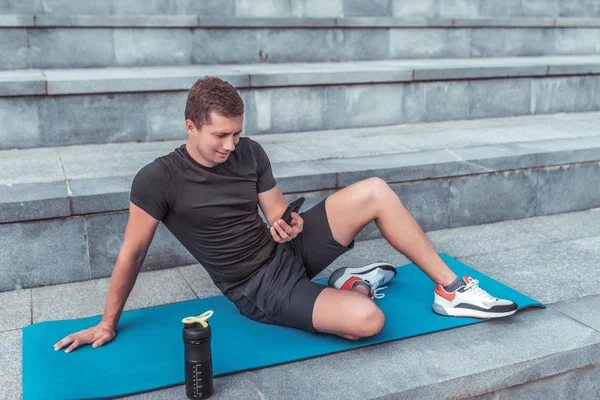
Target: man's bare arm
(272,203)
(138,236)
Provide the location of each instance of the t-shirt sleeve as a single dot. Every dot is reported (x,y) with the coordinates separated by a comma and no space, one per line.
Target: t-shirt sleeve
(266,181)
(150,190)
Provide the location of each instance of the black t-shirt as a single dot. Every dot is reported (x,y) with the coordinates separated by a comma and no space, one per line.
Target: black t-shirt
(213,212)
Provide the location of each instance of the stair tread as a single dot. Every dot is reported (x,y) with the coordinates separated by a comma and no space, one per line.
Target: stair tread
(531,133)
(160,78)
(457,362)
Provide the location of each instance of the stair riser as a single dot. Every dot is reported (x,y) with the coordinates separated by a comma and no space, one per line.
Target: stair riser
(578,384)
(78,248)
(69,47)
(121,117)
(564,375)
(310,8)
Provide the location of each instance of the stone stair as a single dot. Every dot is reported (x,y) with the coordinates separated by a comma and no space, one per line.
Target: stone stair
(312,8)
(482,115)
(536,354)
(58,41)
(81,106)
(68,205)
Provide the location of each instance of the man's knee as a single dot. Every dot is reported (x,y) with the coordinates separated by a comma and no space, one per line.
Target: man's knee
(378,189)
(369,321)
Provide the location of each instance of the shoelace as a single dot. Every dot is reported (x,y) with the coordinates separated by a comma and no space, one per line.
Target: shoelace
(377,295)
(474,288)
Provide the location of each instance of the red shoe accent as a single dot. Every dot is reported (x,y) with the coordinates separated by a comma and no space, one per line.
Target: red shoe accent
(440,290)
(349,283)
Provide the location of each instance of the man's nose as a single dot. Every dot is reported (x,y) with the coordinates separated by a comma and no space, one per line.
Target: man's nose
(229,144)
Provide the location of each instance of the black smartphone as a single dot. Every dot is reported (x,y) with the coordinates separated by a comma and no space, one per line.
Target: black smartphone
(294,206)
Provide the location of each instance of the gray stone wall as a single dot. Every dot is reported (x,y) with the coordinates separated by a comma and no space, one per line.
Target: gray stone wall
(122,117)
(311,8)
(54,251)
(58,47)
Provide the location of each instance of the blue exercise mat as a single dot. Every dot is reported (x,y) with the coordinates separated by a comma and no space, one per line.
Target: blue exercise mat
(147,354)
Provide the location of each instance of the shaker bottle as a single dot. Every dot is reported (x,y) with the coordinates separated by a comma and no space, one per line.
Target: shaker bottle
(198,359)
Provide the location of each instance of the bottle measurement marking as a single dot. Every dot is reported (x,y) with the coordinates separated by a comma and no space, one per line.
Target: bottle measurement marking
(198,379)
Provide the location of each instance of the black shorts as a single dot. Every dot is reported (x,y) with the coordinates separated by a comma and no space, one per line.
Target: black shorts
(282,292)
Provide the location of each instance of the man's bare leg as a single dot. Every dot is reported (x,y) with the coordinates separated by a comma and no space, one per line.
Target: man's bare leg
(351,208)
(347,313)
(348,211)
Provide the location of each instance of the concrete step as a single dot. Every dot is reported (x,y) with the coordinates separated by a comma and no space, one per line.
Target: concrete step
(55,41)
(536,354)
(63,211)
(311,8)
(146,103)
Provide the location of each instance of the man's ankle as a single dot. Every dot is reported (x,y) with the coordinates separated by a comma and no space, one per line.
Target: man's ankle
(455,284)
(361,289)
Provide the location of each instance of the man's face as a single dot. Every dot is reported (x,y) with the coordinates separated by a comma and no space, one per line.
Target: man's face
(215,139)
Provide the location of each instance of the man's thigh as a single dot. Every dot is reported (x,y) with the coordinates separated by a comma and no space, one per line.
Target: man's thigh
(281,293)
(350,209)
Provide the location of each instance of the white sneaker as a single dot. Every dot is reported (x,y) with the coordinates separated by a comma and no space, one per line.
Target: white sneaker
(372,276)
(471,301)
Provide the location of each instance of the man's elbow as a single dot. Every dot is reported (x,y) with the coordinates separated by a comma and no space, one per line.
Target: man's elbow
(133,256)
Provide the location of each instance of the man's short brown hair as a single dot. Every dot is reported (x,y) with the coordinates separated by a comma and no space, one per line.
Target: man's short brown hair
(212,94)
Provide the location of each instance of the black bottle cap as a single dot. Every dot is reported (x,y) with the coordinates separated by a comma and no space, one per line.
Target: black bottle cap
(196,332)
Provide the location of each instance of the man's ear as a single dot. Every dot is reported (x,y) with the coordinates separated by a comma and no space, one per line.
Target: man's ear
(190,127)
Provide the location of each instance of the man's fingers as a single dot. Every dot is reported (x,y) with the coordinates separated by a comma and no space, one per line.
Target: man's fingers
(84,337)
(285,226)
(282,233)
(297,217)
(275,235)
(105,338)
(63,342)
(73,346)
(297,221)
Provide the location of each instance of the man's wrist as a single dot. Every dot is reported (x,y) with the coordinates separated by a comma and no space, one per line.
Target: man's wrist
(108,324)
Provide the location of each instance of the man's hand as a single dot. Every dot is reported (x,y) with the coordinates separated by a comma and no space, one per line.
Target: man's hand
(282,232)
(98,335)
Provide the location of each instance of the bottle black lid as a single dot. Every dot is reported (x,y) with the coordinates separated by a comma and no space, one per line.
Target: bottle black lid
(195,332)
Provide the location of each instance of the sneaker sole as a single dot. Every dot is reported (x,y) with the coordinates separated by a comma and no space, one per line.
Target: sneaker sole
(365,269)
(463,312)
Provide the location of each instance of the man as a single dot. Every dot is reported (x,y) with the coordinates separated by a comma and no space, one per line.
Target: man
(207,193)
